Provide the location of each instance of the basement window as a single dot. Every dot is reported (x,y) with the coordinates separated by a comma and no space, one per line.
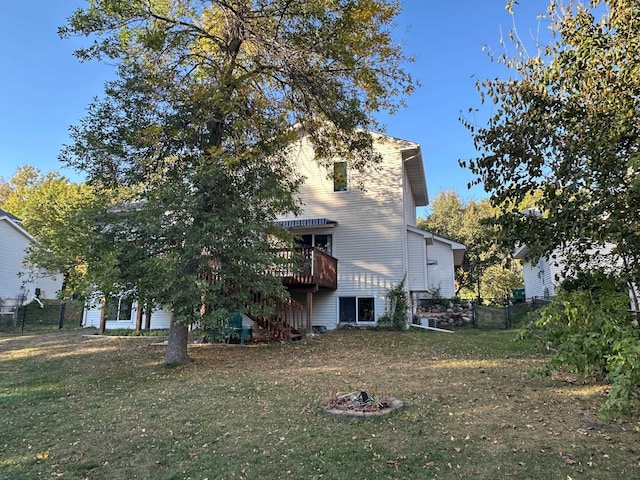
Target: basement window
(356,310)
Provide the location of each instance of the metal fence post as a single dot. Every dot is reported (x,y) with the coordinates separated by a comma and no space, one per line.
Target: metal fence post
(61,320)
(474,309)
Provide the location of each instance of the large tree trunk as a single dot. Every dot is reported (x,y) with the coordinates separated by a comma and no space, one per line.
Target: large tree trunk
(177,345)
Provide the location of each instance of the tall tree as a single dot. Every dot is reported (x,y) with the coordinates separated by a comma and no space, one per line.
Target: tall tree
(472,224)
(57,213)
(568,126)
(197,130)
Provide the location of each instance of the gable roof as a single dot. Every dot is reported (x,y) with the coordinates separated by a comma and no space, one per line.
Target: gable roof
(458,249)
(522,252)
(13,218)
(14,222)
(412,158)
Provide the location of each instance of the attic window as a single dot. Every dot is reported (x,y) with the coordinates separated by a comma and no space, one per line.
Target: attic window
(340,177)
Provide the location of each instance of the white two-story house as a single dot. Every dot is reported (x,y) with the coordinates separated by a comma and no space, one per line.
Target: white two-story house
(359,235)
(367,221)
(18,283)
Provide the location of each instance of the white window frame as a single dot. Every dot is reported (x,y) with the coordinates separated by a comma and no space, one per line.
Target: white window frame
(357,299)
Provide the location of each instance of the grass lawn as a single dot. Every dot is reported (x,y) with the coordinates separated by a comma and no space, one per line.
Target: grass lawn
(106,408)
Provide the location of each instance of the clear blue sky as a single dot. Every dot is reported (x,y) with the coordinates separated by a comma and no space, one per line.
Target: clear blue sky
(44,89)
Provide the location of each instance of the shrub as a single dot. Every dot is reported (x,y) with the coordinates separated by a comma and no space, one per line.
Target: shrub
(397,314)
(592,333)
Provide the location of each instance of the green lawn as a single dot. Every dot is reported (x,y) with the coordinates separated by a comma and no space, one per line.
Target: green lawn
(107,408)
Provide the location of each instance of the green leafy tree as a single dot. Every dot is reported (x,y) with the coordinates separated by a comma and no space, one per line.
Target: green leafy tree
(197,131)
(498,282)
(57,213)
(567,127)
(469,223)
(590,331)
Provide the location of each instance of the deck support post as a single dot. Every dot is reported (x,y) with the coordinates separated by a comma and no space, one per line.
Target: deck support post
(309,312)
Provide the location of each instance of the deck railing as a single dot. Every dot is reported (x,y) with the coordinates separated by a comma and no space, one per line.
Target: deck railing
(307,266)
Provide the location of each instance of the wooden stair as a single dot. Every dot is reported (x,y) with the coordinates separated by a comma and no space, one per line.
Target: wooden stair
(286,324)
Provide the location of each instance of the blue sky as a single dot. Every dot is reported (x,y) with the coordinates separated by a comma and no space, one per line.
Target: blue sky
(45,89)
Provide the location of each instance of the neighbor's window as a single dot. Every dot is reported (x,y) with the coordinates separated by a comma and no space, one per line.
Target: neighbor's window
(340,177)
(118,309)
(356,309)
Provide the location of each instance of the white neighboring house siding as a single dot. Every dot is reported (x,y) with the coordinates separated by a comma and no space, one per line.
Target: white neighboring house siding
(539,278)
(368,240)
(14,241)
(542,278)
(160,319)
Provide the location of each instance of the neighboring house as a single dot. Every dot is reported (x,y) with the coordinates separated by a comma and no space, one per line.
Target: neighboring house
(541,276)
(359,235)
(18,284)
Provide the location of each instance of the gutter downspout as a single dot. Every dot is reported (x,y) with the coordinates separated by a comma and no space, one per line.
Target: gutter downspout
(405,234)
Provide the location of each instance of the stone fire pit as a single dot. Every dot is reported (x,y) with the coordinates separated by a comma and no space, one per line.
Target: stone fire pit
(360,404)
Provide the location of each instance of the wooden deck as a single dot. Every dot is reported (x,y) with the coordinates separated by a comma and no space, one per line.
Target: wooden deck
(309,267)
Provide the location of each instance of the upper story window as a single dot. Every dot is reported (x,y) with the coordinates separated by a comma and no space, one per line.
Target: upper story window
(340,178)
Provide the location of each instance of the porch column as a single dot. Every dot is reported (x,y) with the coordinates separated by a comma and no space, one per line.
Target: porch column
(139,315)
(103,321)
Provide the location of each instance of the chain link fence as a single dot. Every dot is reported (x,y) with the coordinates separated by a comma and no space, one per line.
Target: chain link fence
(489,317)
(39,316)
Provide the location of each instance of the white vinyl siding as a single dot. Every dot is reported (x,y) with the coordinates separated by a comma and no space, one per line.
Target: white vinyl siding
(368,240)
(417,279)
(440,269)
(160,319)
(13,274)
(12,248)
(540,276)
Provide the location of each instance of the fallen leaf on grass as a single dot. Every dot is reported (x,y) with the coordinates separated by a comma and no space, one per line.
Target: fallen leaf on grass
(42,455)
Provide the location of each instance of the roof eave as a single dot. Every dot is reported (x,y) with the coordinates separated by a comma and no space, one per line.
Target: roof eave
(412,156)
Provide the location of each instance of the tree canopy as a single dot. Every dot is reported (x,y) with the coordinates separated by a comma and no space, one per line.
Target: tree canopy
(57,213)
(195,135)
(567,126)
(485,269)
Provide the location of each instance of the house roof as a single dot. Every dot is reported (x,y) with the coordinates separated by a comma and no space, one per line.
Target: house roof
(306,223)
(13,218)
(412,157)
(522,252)
(457,248)
(416,176)
(14,222)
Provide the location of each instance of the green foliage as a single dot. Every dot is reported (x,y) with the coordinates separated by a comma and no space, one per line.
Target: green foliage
(61,215)
(195,135)
(396,315)
(470,223)
(497,282)
(566,130)
(593,335)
